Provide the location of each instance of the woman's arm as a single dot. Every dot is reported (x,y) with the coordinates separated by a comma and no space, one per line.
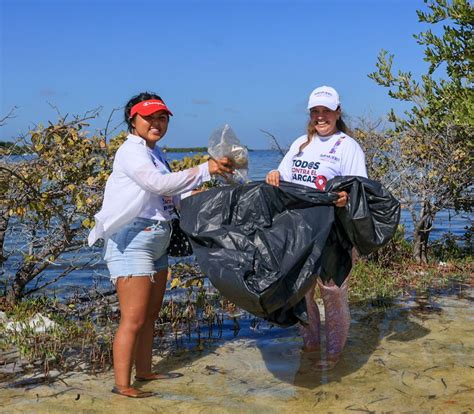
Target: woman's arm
(284,169)
(137,165)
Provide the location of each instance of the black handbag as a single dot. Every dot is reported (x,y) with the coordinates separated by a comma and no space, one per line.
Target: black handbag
(179,242)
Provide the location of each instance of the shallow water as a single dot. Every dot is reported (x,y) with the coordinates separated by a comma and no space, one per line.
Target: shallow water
(415,356)
(93,272)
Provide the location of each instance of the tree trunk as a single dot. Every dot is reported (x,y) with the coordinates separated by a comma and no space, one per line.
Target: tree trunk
(22,277)
(422,232)
(420,246)
(3,230)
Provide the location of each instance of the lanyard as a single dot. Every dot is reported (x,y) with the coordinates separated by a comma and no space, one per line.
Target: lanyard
(158,157)
(336,144)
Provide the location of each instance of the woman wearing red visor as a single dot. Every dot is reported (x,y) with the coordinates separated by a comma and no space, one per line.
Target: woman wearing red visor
(139,202)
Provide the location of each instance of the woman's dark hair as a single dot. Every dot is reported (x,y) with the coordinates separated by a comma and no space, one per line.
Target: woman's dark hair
(311,131)
(143,96)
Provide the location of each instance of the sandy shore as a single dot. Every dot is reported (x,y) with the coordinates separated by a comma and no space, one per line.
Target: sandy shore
(415,356)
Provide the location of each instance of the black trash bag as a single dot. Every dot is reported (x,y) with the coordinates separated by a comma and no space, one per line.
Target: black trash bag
(371,215)
(263,247)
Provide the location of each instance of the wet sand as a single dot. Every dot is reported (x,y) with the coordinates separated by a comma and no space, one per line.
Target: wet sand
(415,356)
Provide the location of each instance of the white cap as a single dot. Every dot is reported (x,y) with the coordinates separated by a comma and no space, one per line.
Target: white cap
(324,96)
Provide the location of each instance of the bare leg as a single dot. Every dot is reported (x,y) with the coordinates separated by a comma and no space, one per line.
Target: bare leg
(311,332)
(134,295)
(144,346)
(338,318)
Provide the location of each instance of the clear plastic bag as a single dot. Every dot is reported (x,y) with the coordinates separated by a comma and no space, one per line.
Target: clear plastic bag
(224,143)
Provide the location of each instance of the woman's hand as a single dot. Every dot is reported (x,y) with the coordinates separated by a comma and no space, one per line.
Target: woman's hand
(273,178)
(342,200)
(221,166)
(199,190)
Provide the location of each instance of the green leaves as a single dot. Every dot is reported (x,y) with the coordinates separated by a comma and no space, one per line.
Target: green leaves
(440,122)
(53,195)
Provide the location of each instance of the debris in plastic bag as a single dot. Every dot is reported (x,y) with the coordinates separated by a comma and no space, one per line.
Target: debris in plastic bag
(224,143)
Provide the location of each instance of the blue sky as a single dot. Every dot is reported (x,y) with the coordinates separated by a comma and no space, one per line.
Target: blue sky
(249,63)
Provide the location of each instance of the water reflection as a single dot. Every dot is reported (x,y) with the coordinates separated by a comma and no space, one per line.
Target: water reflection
(369,327)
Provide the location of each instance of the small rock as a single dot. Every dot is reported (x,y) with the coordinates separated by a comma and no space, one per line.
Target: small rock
(82,366)
(54,373)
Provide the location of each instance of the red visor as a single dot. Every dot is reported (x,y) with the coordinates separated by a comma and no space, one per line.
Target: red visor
(149,107)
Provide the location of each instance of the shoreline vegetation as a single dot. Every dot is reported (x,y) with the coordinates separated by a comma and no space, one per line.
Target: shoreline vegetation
(76,334)
(15,149)
(184,149)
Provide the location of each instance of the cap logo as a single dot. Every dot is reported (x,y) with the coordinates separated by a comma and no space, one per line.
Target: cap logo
(152,103)
(323,93)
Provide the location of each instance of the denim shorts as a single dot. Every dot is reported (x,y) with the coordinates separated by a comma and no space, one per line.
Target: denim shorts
(138,249)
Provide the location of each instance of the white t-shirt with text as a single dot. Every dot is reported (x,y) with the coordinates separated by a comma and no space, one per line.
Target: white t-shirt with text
(322,159)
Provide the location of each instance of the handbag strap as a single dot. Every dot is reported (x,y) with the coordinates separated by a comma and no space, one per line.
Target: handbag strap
(176,212)
(169,169)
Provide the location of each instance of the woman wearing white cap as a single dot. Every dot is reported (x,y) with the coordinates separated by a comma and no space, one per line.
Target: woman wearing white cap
(324,152)
(139,202)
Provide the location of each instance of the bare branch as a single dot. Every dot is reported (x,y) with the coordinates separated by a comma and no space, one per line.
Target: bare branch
(274,141)
(9,115)
(106,130)
(58,112)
